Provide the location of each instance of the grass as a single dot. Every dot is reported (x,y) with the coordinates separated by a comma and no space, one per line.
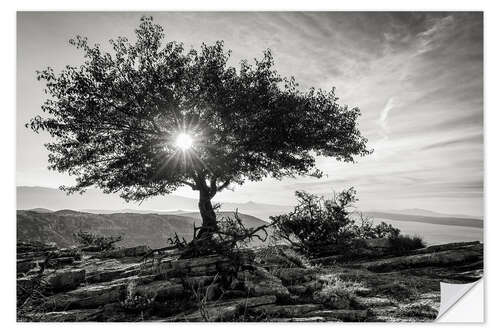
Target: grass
(418,311)
(337,293)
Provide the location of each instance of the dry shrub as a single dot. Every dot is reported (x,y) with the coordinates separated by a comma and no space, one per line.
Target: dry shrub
(337,293)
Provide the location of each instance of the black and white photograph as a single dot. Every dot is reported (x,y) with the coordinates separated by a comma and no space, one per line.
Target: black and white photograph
(247,166)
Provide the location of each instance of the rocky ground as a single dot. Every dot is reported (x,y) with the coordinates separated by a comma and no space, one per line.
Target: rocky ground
(268,284)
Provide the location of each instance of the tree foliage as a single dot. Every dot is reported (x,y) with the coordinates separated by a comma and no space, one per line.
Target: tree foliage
(115,117)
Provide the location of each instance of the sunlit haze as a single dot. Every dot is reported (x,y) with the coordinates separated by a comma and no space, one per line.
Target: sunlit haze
(183,141)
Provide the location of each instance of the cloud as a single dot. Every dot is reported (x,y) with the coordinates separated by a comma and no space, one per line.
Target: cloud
(473,139)
(384,114)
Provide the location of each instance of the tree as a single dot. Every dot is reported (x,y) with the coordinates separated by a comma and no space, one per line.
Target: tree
(115,120)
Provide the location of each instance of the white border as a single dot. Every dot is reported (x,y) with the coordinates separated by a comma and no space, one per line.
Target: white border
(492,166)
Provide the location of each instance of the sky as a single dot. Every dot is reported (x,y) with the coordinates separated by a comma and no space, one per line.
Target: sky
(417,78)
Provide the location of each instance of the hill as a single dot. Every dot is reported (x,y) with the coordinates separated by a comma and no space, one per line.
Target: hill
(137,229)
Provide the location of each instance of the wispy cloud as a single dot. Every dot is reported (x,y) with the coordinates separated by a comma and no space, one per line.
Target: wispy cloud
(384,114)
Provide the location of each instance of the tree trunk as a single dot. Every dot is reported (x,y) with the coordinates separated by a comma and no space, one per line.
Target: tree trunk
(209,219)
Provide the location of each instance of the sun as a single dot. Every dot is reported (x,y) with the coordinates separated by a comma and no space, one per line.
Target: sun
(184,141)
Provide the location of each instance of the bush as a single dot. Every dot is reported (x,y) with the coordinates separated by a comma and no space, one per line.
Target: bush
(135,303)
(100,243)
(320,227)
(337,293)
(402,244)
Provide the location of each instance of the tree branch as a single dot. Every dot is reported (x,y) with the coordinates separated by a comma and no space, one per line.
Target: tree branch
(224,185)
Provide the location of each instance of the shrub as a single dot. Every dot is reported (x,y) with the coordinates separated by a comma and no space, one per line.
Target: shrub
(135,303)
(100,243)
(318,226)
(337,293)
(402,244)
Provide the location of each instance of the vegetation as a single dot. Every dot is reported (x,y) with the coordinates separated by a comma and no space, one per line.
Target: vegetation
(115,119)
(134,302)
(403,244)
(97,242)
(337,293)
(319,226)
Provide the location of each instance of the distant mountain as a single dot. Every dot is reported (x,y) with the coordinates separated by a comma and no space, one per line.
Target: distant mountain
(425,212)
(136,229)
(40,210)
(29,197)
(455,221)
(94,201)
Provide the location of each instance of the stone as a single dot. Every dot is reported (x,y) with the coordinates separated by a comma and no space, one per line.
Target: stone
(312,286)
(449,246)
(383,310)
(371,302)
(444,258)
(87,297)
(259,282)
(24,266)
(299,320)
(63,280)
(68,316)
(295,275)
(224,311)
(197,262)
(326,260)
(343,315)
(287,310)
(161,290)
(135,251)
(199,281)
(297,289)
(98,270)
(61,261)
(34,246)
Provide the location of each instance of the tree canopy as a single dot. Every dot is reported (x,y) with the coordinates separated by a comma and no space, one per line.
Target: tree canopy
(114,118)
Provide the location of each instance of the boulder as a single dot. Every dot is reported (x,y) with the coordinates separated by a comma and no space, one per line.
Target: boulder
(63,280)
(259,282)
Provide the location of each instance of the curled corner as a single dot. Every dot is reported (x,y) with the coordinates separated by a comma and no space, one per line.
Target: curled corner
(451,294)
